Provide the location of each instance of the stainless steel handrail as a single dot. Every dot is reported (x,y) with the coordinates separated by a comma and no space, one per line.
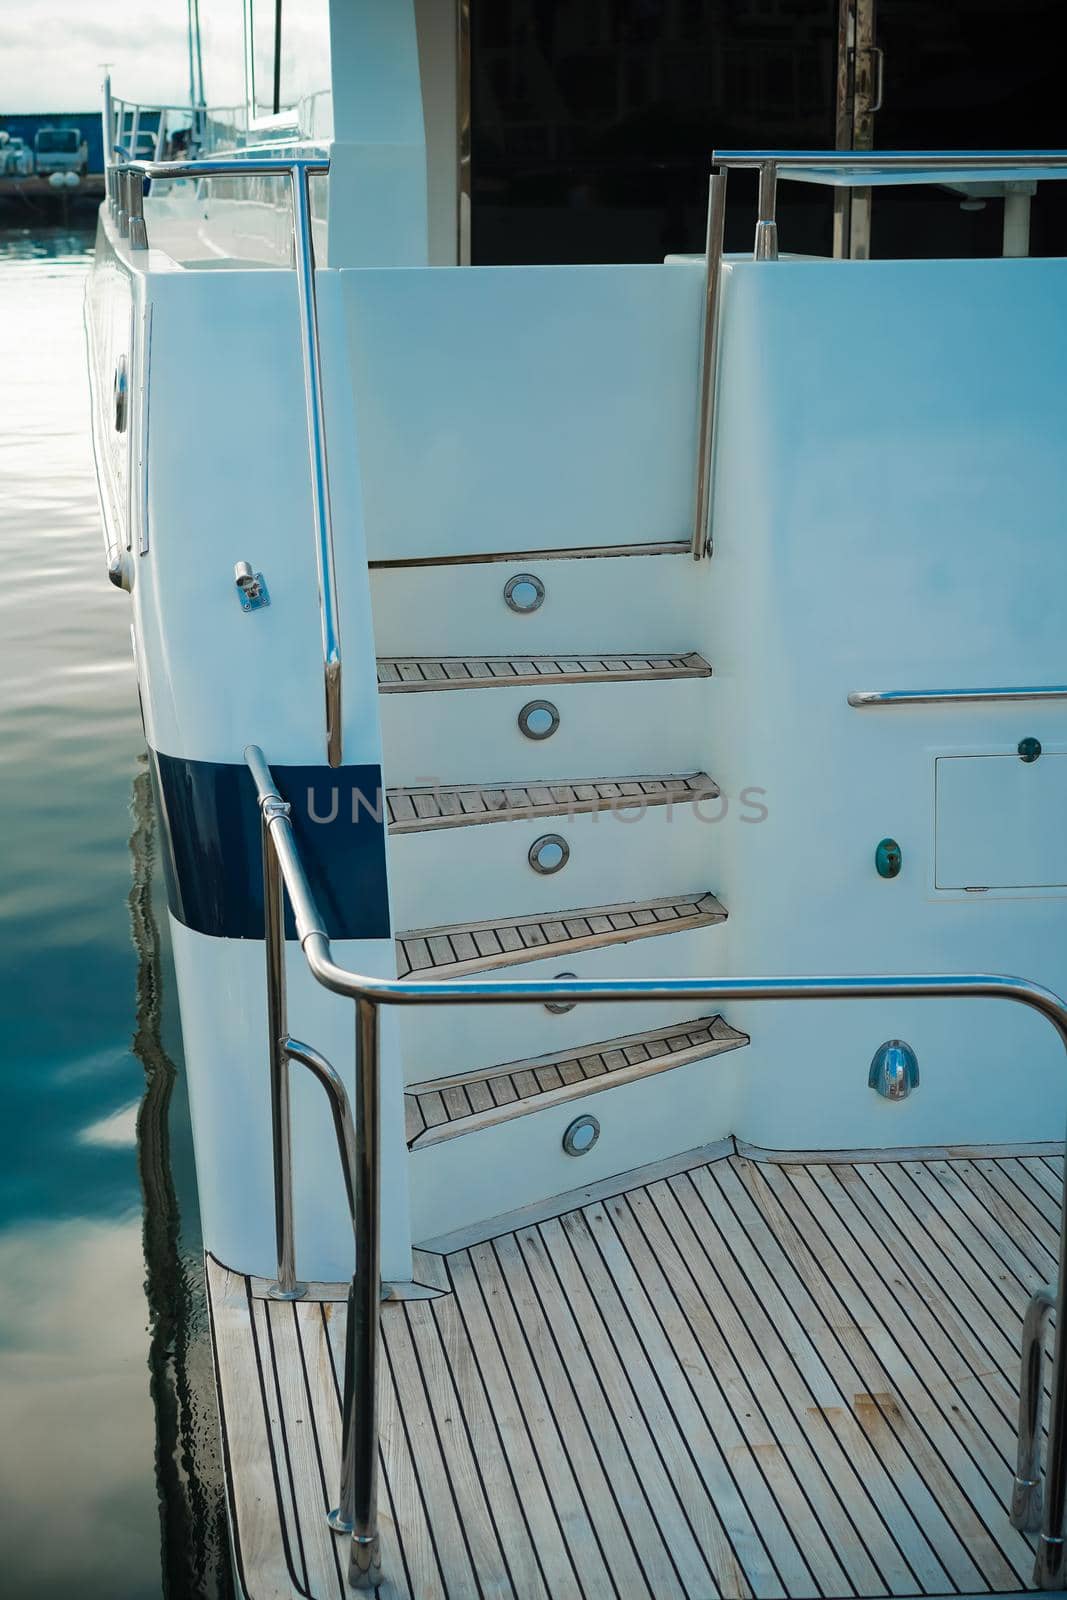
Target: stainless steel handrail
(341,1518)
(938,697)
(282,859)
(1026,1488)
(130,177)
(791,162)
(701,538)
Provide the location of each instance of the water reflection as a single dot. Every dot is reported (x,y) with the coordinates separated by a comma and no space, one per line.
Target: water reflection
(75,1475)
(191,1506)
(109,1477)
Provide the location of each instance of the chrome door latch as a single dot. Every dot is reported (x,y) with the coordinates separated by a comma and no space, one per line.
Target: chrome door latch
(251,587)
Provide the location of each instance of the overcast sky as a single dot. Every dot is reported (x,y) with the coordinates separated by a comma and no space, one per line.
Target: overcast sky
(51,52)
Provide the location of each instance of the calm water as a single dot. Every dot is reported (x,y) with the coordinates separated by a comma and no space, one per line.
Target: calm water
(109,1477)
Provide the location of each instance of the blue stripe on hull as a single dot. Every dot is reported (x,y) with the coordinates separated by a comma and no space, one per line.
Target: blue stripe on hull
(210,829)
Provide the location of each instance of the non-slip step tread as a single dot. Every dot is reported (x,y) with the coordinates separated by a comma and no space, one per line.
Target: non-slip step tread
(415,810)
(456,949)
(445,1108)
(406,674)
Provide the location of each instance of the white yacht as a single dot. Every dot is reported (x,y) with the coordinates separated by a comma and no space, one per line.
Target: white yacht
(599,604)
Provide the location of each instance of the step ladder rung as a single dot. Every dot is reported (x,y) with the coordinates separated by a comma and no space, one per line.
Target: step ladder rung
(456,949)
(417,810)
(445,1108)
(415,674)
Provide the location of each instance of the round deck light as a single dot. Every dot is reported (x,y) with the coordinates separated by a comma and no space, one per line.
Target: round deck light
(560,1008)
(523,592)
(549,854)
(538,719)
(581,1136)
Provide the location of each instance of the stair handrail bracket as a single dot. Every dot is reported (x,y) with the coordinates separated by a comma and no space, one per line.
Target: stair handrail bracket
(285,876)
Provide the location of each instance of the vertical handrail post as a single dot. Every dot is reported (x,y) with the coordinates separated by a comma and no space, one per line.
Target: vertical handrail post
(1026,1489)
(361,1376)
(108,119)
(1049,1565)
(709,363)
(122,217)
(341,1518)
(463,132)
(766,246)
(135,221)
(320,480)
(285,1286)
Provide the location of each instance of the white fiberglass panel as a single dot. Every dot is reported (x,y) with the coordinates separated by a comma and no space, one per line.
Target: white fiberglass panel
(891,477)
(525,408)
(1000,822)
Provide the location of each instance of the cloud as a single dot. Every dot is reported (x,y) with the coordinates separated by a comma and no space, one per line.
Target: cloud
(52,53)
(116,1132)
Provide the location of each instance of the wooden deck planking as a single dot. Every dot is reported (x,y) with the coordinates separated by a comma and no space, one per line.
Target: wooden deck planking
(746,1378)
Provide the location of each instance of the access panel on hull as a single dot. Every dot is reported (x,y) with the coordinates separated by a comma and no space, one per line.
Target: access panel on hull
(1000,821)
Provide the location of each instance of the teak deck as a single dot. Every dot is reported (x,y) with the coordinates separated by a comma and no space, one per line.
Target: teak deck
(744,1378)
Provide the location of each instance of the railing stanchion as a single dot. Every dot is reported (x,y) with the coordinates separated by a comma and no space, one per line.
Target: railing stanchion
(108,119)
(766,246)
(285,1287)
(122,216)
(709,363)
(135,196)
(362,1346)
(1026,1489)
(1049,1565)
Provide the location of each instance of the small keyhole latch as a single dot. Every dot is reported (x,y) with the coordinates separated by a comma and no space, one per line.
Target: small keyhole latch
(887,858)
(251,588)
(1029,750)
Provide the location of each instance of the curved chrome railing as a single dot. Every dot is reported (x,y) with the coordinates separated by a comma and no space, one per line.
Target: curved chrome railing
(284,875)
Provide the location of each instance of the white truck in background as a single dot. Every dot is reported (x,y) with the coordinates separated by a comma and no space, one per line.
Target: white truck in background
(60,150)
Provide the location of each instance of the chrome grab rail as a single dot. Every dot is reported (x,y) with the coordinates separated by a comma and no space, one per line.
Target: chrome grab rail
(129,205)
(709,364)
(940,697)
(794,163)
(859,166)
(1026,1488)
(283,866)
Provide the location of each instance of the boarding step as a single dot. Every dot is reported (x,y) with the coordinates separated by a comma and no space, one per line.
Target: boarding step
(415,810)
(456,949)
(408,674)
(445,1108)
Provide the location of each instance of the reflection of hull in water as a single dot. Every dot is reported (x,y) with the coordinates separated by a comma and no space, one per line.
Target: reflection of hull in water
(192,1509)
